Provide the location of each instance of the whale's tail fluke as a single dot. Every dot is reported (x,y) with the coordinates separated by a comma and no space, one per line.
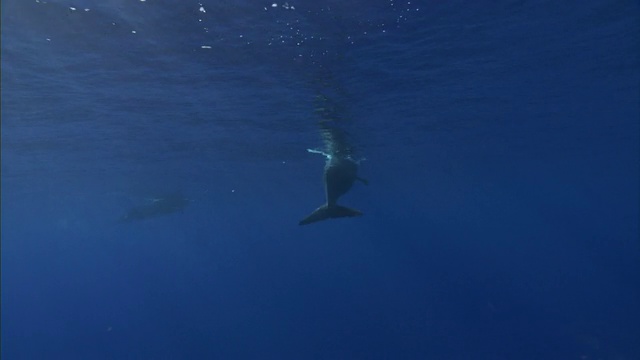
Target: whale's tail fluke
(325,212)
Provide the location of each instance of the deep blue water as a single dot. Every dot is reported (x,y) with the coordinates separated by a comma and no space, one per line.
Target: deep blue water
(502,149)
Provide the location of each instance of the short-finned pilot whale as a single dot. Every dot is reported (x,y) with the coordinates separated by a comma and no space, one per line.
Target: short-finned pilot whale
(340,172)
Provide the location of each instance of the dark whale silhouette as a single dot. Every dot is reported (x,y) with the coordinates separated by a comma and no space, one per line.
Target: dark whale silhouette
(156,207)
(341,168)
(340,172)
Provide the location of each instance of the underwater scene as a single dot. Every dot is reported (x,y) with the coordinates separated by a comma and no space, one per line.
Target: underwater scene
(379,179)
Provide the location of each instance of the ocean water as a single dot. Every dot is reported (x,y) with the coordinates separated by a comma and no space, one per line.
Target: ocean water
(500,141)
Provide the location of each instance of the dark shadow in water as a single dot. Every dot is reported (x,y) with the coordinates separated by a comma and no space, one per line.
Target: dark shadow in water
(157,206)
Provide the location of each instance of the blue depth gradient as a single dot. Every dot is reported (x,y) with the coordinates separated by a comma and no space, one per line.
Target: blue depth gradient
(501,145)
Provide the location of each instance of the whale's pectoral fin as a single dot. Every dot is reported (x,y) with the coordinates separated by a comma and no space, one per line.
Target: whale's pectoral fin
(316,151)
(364,181)
(324,212)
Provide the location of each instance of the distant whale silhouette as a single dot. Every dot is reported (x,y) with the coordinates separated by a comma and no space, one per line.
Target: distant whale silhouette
(340,172)
(156,207)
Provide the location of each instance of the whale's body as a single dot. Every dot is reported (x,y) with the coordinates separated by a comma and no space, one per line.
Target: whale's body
(156,207)
(340,170)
